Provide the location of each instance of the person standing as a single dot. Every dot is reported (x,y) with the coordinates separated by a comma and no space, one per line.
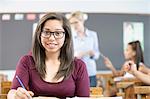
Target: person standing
(85,44)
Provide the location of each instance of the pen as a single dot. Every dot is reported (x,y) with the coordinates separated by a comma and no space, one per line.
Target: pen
(19,80)
(102,55)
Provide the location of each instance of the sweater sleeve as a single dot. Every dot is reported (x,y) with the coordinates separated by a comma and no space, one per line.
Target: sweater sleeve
(22,71)
(82,79)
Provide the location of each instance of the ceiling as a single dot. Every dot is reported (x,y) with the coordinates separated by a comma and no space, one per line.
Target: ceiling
(98,6)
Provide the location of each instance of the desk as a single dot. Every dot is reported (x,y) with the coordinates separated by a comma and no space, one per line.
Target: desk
(106,78)
(107,82)
(96,98)
(3,96)
(126,87)
(142,92)
(79,98)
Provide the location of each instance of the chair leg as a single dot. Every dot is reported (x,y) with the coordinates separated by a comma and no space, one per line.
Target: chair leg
(120,90)
(139,96)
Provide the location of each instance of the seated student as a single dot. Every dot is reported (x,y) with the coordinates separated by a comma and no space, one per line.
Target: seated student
(51,70)
(133,53)
(143,74)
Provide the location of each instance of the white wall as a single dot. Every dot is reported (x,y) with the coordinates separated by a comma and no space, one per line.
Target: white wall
(149,6)
(9,73)
(101,6)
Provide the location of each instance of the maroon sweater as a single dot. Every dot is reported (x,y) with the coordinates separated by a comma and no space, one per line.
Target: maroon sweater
(76,85)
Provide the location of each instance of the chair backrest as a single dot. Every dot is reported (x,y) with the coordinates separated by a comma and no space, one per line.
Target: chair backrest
(96,91)
(3,96)
(5,87)
(142,92)
(3,77)
(125,87)
(106,81)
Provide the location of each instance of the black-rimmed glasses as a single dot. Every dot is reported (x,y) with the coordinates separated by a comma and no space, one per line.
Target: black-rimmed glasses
(56,34)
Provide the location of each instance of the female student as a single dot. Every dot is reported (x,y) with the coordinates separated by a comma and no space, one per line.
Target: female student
(143,74)
(51,70)
(133,53)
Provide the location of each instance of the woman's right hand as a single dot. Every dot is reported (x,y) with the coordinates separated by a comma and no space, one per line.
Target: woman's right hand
(129,66)
(108,63)
(22,93)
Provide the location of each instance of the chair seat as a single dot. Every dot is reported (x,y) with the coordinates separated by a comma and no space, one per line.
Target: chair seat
(96,91)
(5,87)
(142,89)
(3,96)
(124,84)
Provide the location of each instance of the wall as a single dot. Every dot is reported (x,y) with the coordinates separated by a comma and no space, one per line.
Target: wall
(109,28)
(0,42)
(15,41)
(16,38)
(147,37)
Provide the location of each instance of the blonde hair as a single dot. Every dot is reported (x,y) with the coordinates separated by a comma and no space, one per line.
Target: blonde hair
(78,15)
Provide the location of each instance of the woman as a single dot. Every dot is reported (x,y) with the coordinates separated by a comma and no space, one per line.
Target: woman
(143,74)
(85,44)
(133,53)
(51,70)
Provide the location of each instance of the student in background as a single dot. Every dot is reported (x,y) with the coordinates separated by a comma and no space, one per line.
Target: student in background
(143,74)
(51,70)
(85,44)
(133,53)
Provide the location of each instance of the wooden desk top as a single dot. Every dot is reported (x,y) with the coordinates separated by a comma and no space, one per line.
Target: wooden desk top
(109,75)
(142,89)
(127,82)
(79,98)
(124,84)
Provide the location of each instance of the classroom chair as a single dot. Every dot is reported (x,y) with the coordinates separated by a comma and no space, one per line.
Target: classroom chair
(142,92)
(5,87)
(96,92)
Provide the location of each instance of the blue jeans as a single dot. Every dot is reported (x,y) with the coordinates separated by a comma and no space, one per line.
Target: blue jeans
(93,81)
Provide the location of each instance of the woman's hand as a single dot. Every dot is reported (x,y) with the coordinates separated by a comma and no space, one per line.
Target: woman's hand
(108,63)
(130,66)
(143,68)
(127,66)
(133,68)
(41,97)
(91,53)
(21,93)
(85,53)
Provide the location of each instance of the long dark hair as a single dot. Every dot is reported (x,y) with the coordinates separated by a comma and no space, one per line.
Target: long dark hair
(136,46)
(66,56)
